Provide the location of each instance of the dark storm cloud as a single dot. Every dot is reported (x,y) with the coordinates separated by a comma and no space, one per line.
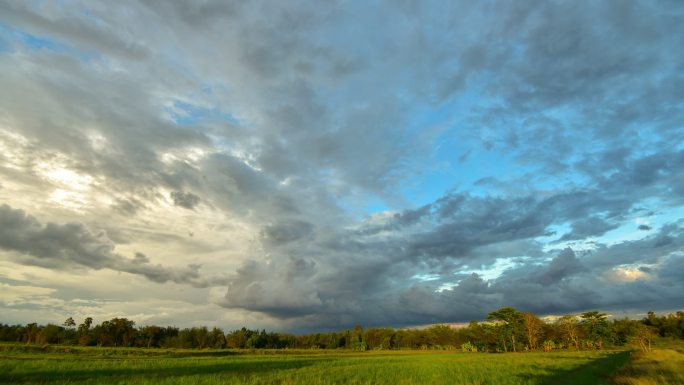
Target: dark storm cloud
(441,237)
(74,245)
(548,282)
(282,289)
(565,284)
(570,283)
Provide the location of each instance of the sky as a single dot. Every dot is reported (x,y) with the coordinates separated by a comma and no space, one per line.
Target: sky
(302,166)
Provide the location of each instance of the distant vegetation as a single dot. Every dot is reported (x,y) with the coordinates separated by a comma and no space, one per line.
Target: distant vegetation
(505,330)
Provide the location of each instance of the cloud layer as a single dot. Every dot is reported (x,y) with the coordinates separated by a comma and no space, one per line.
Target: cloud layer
(307,167)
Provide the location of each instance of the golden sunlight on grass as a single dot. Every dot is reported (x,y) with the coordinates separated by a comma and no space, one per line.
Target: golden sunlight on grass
(662,366)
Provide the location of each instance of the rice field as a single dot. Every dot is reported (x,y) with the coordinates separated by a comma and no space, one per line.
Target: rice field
(155,366)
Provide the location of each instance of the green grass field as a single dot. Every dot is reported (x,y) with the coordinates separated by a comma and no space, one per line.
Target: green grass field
(56,365)
(661,366)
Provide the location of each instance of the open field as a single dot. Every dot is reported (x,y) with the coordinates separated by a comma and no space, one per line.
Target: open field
(58,365)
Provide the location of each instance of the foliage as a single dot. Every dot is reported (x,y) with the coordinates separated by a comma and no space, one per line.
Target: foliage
(549,345)
(596,328)
(511,324)
(506,330)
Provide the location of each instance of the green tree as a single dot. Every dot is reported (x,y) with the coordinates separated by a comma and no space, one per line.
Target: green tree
(217,338)
(49,334)
(69,323)
(117,332)
(68,335)
(510,324)
(152,335)
(442,336)
(596,327)
(356,341)
(84,332)
(32,331)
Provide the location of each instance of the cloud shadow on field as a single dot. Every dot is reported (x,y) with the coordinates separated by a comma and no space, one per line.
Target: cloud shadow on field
(595,372)
(174,368)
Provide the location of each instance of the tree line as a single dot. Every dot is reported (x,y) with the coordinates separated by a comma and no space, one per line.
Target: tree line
(504,330)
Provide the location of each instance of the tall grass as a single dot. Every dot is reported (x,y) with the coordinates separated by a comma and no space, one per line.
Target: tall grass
(142,366)
(661,366)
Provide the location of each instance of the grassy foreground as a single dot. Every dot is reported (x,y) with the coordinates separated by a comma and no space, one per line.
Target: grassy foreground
(661,366)
(141,366)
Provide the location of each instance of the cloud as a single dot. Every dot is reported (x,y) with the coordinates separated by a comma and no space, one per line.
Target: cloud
(186,200)
(18,294)
(281,290)
(71,243)
(286,231)
(564,265)
(589,227)
(74,245)
(310,150)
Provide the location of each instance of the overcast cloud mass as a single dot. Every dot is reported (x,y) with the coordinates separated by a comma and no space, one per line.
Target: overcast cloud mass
(300,166)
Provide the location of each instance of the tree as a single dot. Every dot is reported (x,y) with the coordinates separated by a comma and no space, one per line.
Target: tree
(569,329)
(596,327)
(442,336)
(69,323)
(49,334)
(237,339)
(116,332)
(356,340)
(84,332)
(218,339)
(152,334)
(511,322)
(534,328)
(549,345)
(643,335)
(68,334)
(32,331)
(200,337)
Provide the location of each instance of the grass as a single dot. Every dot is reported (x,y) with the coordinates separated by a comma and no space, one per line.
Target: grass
(661,366)
(62,365)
